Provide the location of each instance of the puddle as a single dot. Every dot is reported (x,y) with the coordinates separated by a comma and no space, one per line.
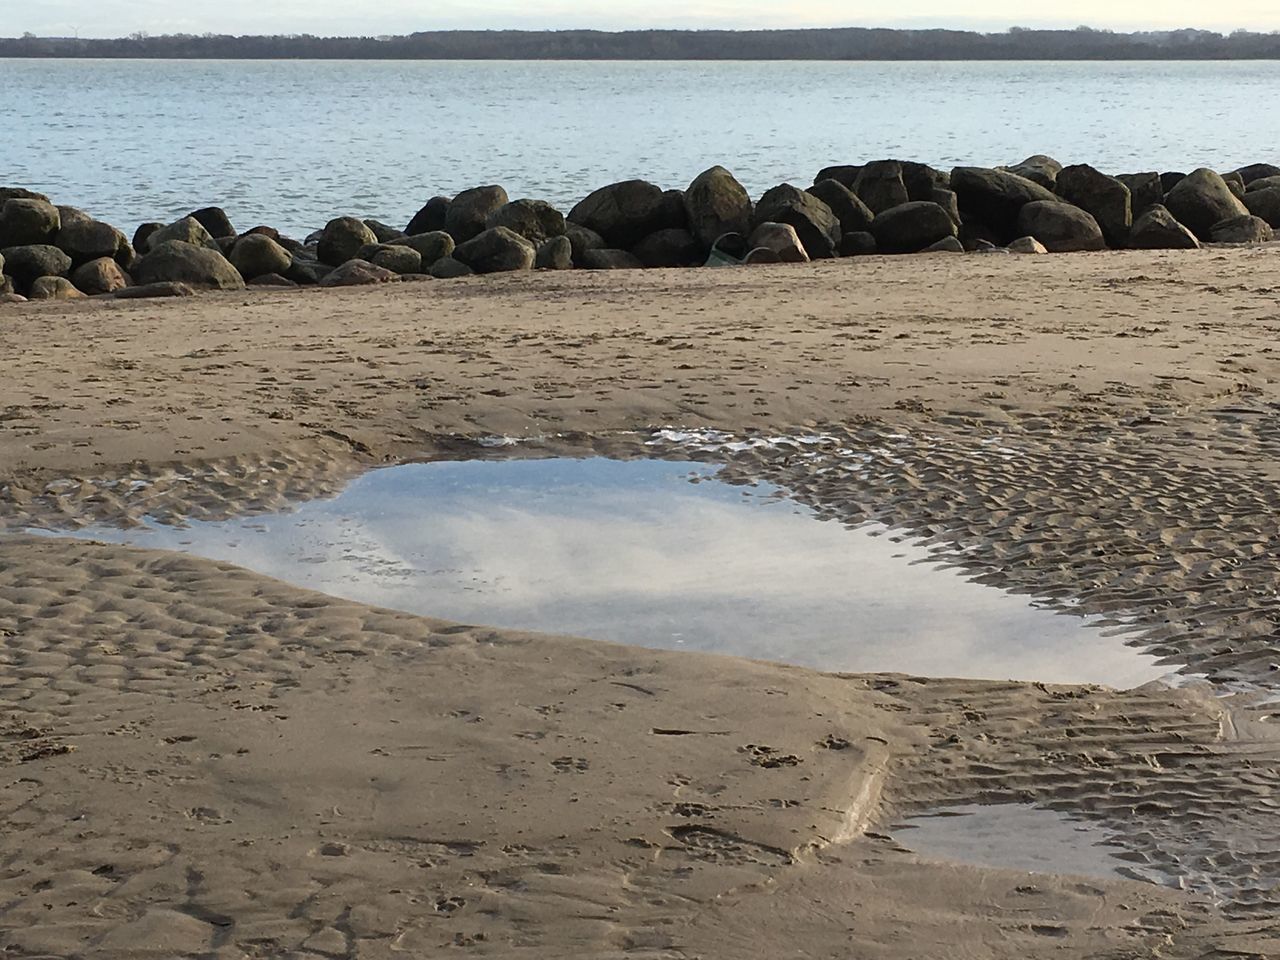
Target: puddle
(632,551)
(1016,836)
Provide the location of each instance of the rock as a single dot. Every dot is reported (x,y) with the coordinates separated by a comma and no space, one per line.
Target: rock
(814,222)
(672,247)
(673,215)
(305,271)
(1258,171)
(781,239)
(181,262)
(1031,244)
(255,255)
(214,220)
(143,235)
(497,250)
(945,245)
(54,288)
(469,211)
(357,273)
(447,268)
(25,223)
(607,259)
(28,263)
(949,202)
(1062,227)
(394,257)
(1105,198)
(187,230)
(1158,229)
(1266,183)
(430,246)
(844,174)
(430,219)
(582,239)
(912,227)
(149,290)
(262,231)
(103,275)
(715,204)
(383,232)
(623,213)
(1236,184)
(1038,169)
(975,234)
(921,180)
(19,193)
(860,243)
(853,214)
(994,199)
(1246,229)
(272,280)
(68,215)
(85,239)
(341,238)
(1170,180)
(1145,191)
(1201,200)
(8,296)
(880,186)
(225,244)
(554,254)
(1265,204)
(535,220)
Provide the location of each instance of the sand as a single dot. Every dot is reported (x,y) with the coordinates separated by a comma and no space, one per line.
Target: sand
(199,761)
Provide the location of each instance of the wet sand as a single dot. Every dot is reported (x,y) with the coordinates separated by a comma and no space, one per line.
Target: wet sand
(202,761)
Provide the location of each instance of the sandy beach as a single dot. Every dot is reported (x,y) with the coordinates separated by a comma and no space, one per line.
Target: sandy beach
(199,761)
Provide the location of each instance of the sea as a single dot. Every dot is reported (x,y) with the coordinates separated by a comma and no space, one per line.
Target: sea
(295,143)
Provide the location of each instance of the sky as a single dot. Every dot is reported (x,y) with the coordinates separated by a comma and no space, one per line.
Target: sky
(113,18)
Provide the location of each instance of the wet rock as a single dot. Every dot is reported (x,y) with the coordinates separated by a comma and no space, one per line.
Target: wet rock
(1201,200)
(994,198)
(215,221)
(1105,198)
(99,276)
(1265,204)
(147,291)
(497,250)
(880,186)
(623,213)
(86,239)
(853,214)
(28,263)
(1257,171)
(255,255)
(945,245)
(357,273)
(582,239)
(535,220)
(781,239)
(341,238)
(187,230)
(1145,191)
(1158,229)
(142,236)
(26,223)
(54,288)
(860,243)
(1062,227)
(911,227)
(554,254)
(394,257)
(469,211)
(430,246)
(1028,245)
(672,247)
(607,259)
(844,174)
(384,232)
(716,204)
(1246,229)
(814,222)
(447,268)
(1039,169)
(180,262)
(430,219)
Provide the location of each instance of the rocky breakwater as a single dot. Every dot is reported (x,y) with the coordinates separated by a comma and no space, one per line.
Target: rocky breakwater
(885,206)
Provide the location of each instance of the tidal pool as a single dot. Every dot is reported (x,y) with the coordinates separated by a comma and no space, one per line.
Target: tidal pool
(658,554)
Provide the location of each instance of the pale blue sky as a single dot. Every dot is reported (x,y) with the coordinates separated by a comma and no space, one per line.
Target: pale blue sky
(120,17)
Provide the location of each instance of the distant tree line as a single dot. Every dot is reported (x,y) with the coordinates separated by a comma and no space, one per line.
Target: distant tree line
(1082,43)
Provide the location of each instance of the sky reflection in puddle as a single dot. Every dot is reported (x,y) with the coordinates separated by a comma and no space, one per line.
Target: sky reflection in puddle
(631,551)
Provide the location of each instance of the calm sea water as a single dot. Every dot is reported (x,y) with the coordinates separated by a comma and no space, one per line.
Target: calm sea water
(294,143)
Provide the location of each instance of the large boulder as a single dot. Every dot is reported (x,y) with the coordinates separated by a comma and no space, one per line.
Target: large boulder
(1158,229)
(215,220)
(1145,191)
(1061,227)
(948,201)
(180,262)
(27,263)
(716,204)
(1104,197)
(554,254)
(814,222)
(430,219)
(142,236)
(1265,204)
(358,273)
(28,223)
(859,244)
(85,239)
(535,220)
(911,227)
(447,268)
(384,232)
(187,230)
(1203,199)
(53,288)
(391,256)
(341,238)
(843,173)
(1246,229)
(781,239)
(19,193)
(1170,179)
(673,215)
(994,198)
(1038,169)
(672,247)
(611,260)
(497,250)
(921,180)
(1235,183)
(256,255)
(880,187)
(103,275)
(1266,183)
(1258,171)
(582,239)
(853,214)
(623,213)
(430,246)
(469,211)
